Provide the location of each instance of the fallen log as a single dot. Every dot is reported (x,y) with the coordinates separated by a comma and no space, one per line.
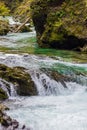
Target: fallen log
(23,24)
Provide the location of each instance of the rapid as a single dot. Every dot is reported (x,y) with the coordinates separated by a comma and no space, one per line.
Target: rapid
(54,108)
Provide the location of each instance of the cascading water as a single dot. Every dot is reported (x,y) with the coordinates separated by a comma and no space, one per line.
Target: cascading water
(56,107)
(4,87)
(48,86)
(13,92)
(9,88)
(59,105)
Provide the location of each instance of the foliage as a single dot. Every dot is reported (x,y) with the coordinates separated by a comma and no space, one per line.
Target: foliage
(23,10)
(3,9)
(12,4)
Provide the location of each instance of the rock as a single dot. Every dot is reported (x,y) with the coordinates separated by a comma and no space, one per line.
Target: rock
(15,124)
(7,123)
(4,27)
(60,24)
(57,76)
(3,94)
(21,79)
(3,107)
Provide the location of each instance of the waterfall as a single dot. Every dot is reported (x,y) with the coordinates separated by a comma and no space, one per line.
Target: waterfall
(48,86)
(13,90)
(45,85)
(4,87)
(40,73)
(8,87)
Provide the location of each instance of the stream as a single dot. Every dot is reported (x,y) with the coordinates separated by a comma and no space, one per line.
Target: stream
(57,108)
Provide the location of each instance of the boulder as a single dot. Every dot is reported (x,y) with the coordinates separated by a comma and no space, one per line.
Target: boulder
(20,78)
(60,24)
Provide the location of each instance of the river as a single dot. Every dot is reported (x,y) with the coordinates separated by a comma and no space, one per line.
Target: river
(56,108)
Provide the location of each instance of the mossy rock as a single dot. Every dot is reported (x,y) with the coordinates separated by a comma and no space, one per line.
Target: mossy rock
(60,24)
(2,108)
(3,94)
(21,79)
(4,27)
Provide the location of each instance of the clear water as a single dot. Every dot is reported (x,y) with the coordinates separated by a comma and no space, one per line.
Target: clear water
(56,108)
(26,43)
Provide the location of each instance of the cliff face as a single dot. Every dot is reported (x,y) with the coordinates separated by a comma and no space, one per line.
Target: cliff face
(60,24)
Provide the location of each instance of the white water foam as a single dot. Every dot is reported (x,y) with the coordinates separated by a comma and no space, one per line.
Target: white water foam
(25,59)
(48,86)
(64,112)
(4,86)
(8,87)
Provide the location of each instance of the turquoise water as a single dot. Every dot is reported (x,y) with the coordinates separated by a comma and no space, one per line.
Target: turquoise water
(26,43)
(65,110)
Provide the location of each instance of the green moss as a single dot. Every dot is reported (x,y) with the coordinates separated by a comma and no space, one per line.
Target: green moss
(3,9)
(55,37)
(21,79)
(64,21)
(3,94)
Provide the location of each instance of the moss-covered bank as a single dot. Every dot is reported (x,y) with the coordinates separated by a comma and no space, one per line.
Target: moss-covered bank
(60,24)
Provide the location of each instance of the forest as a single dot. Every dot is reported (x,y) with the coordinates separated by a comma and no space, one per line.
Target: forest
(43,64)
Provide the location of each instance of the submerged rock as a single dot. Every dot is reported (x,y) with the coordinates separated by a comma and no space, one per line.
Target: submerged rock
(60,24)
(22,80)
(4,27)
